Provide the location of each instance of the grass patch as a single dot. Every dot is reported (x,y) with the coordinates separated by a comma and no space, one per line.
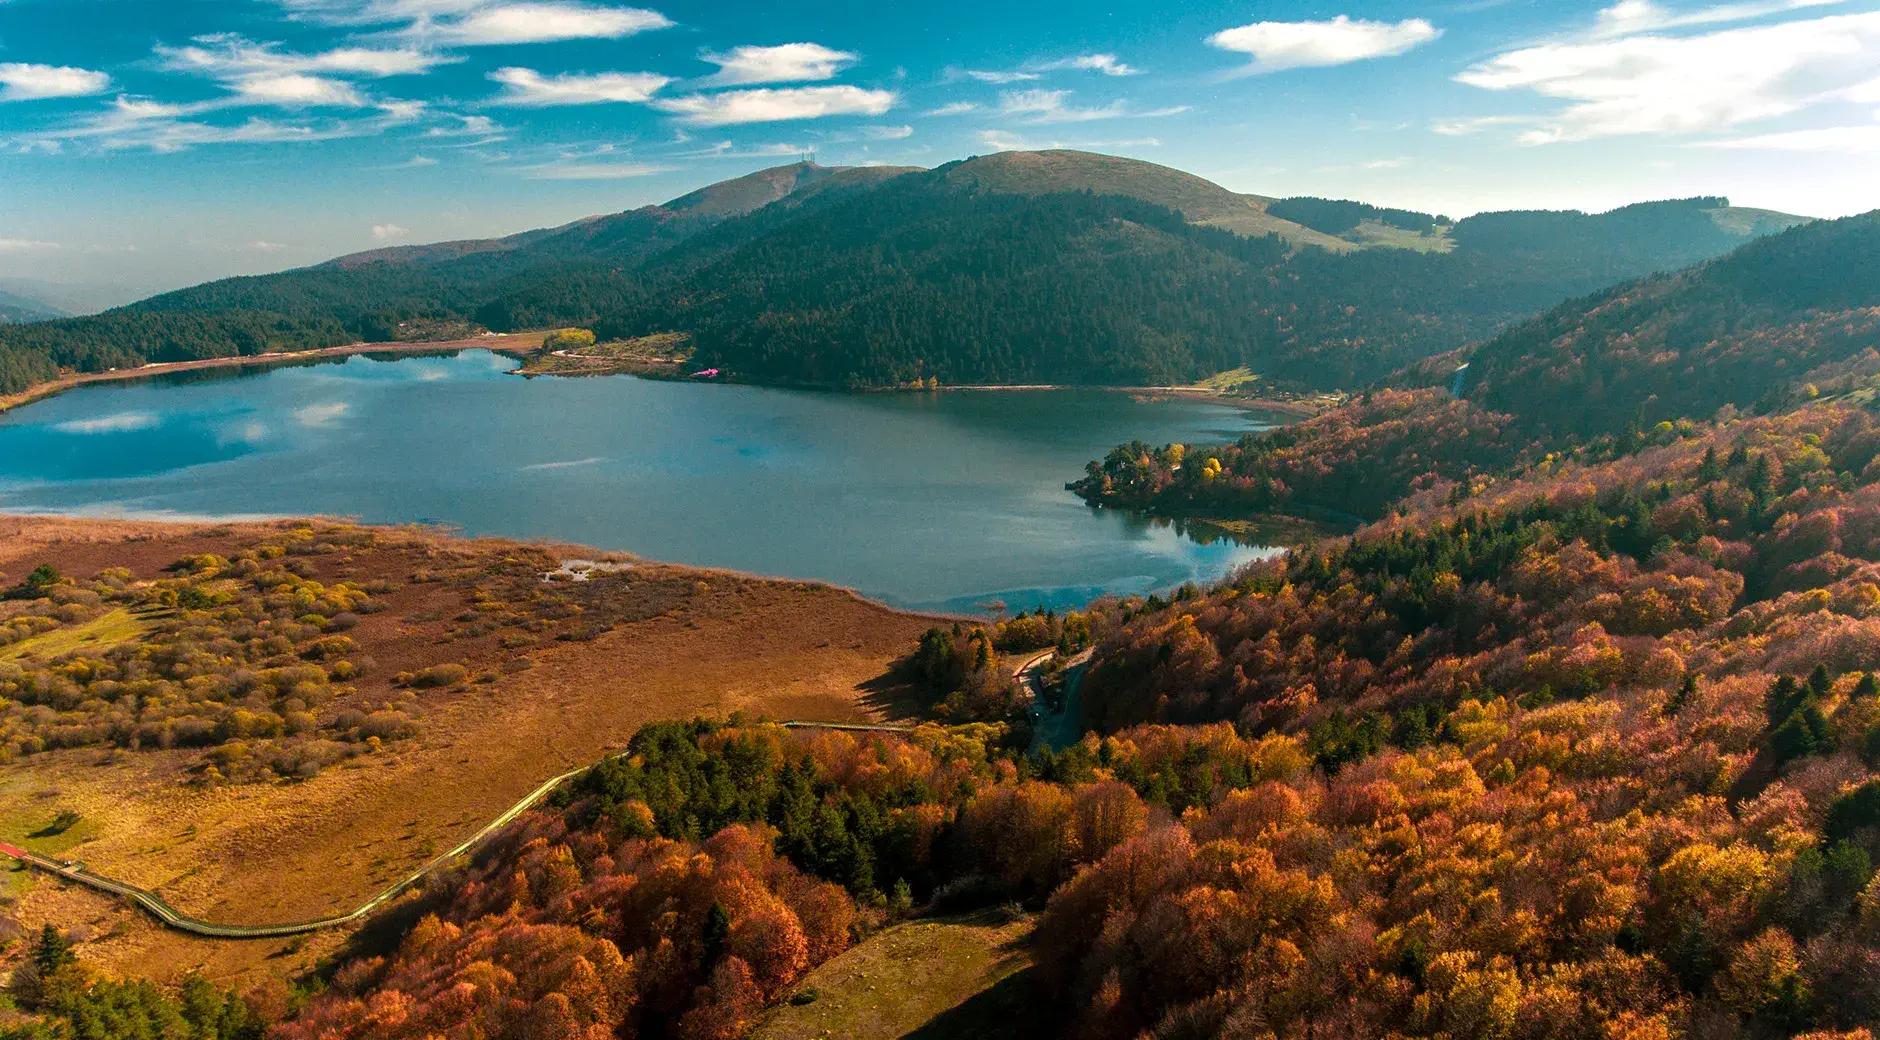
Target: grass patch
(47,831)
(944,979)
(100,633)
(1266,529)
(1373,233)
(662,351)
(1230,380)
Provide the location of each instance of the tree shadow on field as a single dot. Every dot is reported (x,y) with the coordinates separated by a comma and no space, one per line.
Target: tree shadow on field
(896,695)
(1011,1009)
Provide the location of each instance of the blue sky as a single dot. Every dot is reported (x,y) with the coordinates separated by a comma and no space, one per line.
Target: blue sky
(145,145)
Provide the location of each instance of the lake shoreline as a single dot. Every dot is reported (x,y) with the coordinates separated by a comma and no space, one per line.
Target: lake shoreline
(524,345)
(508,343)
(1285,406)
(18,526)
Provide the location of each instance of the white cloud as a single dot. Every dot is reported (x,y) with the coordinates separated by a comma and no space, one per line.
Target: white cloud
(1658,84)
(1108,64)
(24,245)
(260,245)
(957,108)
(418,162)
(295,90)
(784,63)
(19,82)
(1052,106)
(1292,45)
(548,21)
(1846,140)
(528,87)
(593,171)
(770,105)
(389,232)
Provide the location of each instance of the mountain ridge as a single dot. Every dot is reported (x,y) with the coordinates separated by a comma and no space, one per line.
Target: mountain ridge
(1049,245)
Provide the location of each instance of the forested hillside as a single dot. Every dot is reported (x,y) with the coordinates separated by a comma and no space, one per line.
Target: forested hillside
(1778,318)
(1780,322)
(1016,267)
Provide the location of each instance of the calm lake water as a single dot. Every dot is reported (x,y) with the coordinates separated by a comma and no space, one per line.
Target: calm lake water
(951,501)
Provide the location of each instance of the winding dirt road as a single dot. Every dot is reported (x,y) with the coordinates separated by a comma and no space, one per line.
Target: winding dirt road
(170,917)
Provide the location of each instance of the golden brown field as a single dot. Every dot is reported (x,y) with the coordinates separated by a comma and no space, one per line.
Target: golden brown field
(542,695)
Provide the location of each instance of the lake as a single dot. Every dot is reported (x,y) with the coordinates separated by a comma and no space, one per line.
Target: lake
(948,501)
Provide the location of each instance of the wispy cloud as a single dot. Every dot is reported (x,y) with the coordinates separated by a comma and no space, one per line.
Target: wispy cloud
(809,145)
(467,126)
(1108,64)
(1845,140)
(593,171)
(957,108)
(229,56)
(1631,17)
(784,63)
(1053,106)
(1477,124)
(1666,84)
(142,123)
(1007,141)
(24,245)
(374,12)
(1275,46)
(997,77)
(527,87)
(265,74)
(22,82)
(770,105)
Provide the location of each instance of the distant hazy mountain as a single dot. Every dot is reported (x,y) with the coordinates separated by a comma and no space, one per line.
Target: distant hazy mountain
(1021,266)
(17,307)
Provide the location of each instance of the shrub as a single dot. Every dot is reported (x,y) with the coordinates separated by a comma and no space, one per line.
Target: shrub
(439,675)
